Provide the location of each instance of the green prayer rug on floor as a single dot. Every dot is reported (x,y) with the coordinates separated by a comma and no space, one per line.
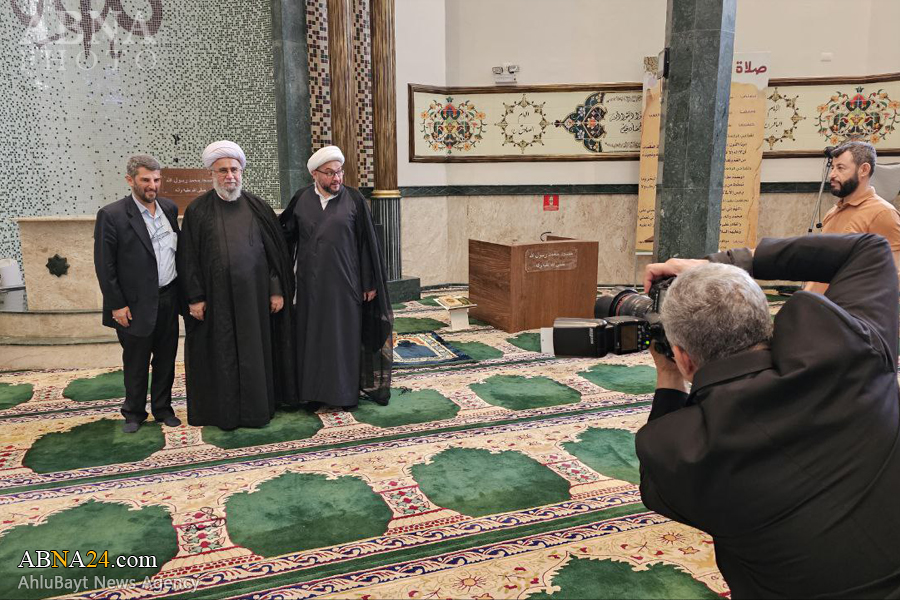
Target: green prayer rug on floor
(12,395)
(101,387)
(413,325)
(621,378)
(302,511)
(406,408)
(119,530)
(522,393)
(586,579)
(477,350)
(610,452)
(526,341)
(477,482)
(93,444)
(285,426)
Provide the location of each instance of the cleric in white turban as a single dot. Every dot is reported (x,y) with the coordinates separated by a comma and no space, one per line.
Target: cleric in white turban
(343,318)
(234,272)
(324,155)
(223,149)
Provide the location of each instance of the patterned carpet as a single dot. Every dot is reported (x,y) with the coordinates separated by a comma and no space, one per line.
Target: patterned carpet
(507,475)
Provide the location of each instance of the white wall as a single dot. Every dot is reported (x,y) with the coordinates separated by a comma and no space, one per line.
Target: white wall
(455,42)
(421,50)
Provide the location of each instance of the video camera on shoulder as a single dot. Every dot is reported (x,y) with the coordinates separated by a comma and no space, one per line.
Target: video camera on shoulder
(623,323)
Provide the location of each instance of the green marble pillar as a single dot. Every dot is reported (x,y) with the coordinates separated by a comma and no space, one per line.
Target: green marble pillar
(291,95)
(700,38)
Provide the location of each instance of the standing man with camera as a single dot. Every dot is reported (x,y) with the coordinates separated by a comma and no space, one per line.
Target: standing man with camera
(859,209)
(135,240)
(787,448)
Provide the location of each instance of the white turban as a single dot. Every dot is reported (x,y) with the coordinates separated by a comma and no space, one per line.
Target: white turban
(324,155)
(223,149)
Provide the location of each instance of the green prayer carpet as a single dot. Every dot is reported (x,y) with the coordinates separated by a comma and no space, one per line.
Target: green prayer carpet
(146,532)
(407,408)
(458,479)
(521,393)
(300,511)
(608,451)
(621,378)
(12,395)
(527,341)
(413,325)
(98,443)
(285,426)
(101,387)
(586,579)
(477,350)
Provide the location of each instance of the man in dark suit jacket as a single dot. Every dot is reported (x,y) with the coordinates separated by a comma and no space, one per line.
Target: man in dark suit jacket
(787,449)
(135,241)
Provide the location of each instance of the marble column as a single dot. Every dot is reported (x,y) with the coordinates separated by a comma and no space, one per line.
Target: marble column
(386,196)
(700,39)
(343,87)
(291,95)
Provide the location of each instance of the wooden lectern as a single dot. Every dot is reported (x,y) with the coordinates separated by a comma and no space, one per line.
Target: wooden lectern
(527,286)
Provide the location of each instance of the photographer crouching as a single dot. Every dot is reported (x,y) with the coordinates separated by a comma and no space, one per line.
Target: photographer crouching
(786,449)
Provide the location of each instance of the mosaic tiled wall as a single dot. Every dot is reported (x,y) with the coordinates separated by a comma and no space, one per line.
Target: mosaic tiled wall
(362,71)
(320,81)
(73,107)
(319,77)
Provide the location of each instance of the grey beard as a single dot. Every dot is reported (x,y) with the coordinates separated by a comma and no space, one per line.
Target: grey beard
(225,194)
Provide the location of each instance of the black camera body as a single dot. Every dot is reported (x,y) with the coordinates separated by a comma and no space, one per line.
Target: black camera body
(624,323)
(644,309)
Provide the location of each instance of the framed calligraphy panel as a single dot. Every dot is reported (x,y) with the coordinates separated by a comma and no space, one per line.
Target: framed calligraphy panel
(524,123)
(604,121)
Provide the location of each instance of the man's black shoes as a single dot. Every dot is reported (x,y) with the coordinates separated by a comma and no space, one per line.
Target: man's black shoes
(172,421)
(130,426)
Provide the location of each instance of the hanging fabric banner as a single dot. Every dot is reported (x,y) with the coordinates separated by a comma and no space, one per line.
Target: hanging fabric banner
(744,150)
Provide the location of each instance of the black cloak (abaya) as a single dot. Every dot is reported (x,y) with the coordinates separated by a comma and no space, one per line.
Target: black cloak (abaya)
(343,345)
(233,256)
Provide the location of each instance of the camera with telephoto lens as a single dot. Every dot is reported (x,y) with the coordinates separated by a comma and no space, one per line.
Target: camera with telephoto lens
(623,323)
(634,319)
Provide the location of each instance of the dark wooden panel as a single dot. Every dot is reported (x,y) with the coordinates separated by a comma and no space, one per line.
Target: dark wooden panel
(553,279)
(182,186)
(527,286)
(489,283)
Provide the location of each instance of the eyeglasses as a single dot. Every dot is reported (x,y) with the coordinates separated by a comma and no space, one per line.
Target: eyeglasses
(224,171)
(331,174)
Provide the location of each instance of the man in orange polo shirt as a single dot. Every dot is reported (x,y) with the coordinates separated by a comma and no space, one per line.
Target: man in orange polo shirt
(860,209)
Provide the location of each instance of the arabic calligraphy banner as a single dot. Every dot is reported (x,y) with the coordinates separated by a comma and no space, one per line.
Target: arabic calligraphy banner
(743,155)
(603,121)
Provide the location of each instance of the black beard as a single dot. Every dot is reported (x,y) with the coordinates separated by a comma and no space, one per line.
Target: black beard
(847,188)
(142,197)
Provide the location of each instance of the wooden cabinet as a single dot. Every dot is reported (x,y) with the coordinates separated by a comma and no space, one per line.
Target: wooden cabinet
(527,286)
